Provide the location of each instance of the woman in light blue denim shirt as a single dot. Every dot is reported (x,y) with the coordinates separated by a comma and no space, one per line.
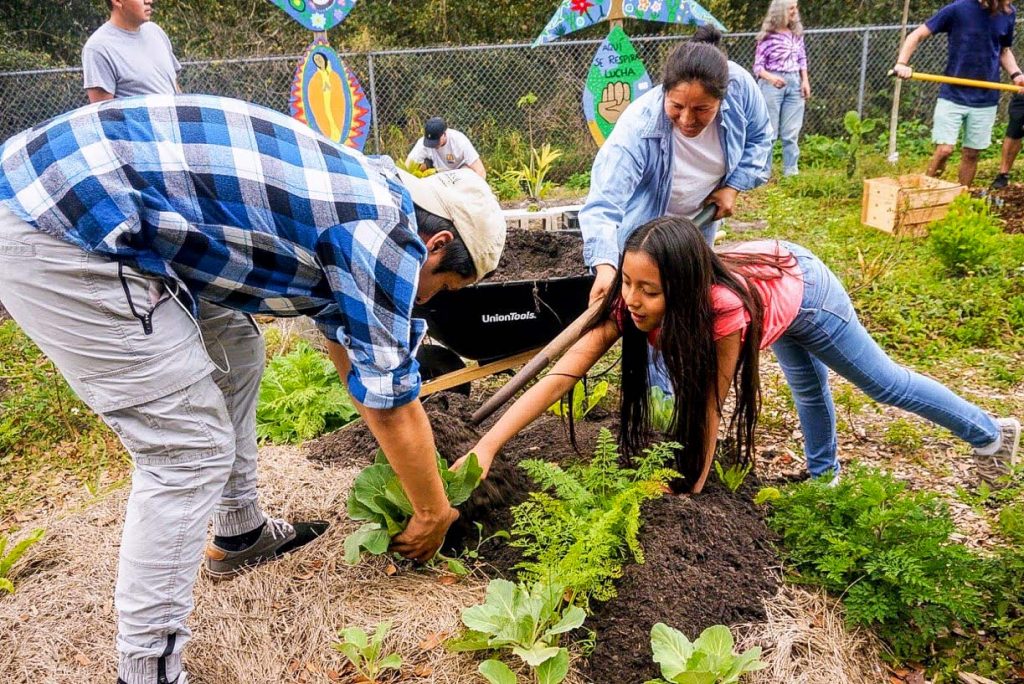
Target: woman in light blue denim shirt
(632,177)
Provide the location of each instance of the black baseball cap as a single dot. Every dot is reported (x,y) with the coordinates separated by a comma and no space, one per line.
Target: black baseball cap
(433,130)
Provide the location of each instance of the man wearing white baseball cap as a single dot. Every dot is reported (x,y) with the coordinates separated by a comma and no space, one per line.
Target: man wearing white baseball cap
(136,238)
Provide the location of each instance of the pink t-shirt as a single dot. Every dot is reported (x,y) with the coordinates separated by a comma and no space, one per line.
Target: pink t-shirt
(781,297)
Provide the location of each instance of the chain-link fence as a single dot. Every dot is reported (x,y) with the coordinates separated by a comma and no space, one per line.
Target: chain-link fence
(477,87)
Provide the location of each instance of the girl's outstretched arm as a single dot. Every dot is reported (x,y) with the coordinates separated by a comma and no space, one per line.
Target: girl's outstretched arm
(728,355)
(579,359)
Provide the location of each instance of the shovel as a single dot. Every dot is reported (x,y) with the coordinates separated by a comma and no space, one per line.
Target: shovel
(557,346)
(970,82)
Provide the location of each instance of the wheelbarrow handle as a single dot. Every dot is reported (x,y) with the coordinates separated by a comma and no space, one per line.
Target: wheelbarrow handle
(557,346)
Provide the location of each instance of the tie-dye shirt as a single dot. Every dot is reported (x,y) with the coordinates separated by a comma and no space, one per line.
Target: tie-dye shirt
(780,52)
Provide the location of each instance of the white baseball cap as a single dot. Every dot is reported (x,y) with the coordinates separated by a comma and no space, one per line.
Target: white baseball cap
(465,199)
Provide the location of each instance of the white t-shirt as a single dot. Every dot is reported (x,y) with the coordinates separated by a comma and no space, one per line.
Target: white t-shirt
(456,152)
(698,167)
(126,63)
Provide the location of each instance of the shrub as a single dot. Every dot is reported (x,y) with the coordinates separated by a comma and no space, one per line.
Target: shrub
(966,239)
(301,396)
(888,551)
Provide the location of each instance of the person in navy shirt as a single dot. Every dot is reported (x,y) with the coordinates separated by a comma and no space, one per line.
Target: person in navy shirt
(980,38)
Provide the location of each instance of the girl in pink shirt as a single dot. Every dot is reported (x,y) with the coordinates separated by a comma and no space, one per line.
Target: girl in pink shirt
(710,315)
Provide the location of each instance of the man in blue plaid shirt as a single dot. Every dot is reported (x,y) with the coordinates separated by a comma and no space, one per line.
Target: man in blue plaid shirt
(138,236)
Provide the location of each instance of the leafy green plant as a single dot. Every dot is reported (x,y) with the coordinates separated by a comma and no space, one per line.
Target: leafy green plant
(528,621)
(366,652)
(9,558)
(301,397)
(532,176)
(904,436)
(817,151)
(1011,521)
(415,169)
(378,498)
(583,526)
(856,128)
(708,660)
(733,476)
(965,240)
(583,402)
(578,181)
(887,551)
(662,410)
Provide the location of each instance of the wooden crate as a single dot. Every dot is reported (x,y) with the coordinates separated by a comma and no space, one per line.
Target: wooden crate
(906,205)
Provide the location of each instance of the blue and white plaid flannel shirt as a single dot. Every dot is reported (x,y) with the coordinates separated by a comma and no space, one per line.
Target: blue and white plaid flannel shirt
(243,206)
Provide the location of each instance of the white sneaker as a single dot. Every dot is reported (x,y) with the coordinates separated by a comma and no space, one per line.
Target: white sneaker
(995,465)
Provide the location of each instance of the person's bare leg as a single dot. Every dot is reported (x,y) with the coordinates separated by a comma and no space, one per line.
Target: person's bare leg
(1011,148)
(968,166)
(938,163)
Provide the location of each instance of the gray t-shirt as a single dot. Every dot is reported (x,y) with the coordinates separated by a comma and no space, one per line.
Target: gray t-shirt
(454,154)
(126,63)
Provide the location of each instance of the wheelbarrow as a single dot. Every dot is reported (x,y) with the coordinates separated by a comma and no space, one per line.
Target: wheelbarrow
(500,325)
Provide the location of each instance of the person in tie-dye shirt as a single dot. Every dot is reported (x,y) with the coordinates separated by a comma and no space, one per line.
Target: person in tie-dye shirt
(780,64)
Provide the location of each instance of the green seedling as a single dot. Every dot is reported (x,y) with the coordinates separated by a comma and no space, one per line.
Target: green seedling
(708,660)
(459,565)
(526,620)
(366,652)
(582,401)
(9,558)
(377,497)
(734,476)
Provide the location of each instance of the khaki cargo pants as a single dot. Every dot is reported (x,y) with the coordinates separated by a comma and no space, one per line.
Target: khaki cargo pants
(180,394)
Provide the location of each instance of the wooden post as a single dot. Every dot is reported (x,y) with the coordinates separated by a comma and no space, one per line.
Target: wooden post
(894,115)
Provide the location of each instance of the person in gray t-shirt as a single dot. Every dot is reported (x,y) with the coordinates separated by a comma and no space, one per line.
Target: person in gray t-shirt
(129,55)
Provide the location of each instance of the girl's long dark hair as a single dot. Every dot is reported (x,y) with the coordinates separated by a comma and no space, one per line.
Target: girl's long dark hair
(689,268)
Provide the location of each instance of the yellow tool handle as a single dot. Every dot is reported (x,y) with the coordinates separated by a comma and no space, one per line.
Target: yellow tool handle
(970,82)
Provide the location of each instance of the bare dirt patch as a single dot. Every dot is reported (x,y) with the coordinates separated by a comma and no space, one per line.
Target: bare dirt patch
(1009,204)
(539,255)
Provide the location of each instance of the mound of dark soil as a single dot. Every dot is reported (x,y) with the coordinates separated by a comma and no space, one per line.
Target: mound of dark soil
(538,255)
(709,561)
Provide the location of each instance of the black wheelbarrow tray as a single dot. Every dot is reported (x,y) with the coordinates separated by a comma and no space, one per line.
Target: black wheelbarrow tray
(500,325)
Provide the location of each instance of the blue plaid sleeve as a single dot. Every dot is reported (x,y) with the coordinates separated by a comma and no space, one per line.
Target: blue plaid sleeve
(374,273)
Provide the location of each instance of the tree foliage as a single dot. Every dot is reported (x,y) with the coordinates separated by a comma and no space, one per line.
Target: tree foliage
(37,34)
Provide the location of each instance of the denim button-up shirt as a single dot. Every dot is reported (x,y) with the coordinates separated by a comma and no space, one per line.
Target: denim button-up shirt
(631,179)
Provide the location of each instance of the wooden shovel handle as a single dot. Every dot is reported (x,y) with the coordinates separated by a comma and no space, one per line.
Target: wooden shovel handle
(551,351)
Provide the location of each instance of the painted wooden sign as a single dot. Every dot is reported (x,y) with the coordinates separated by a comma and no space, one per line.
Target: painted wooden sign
(317,15)
(573,15)
(670,12)
(617,76)
(327,96)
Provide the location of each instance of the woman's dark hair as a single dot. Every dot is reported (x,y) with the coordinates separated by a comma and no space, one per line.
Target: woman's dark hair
(689,268)
(456,258)
(699,59)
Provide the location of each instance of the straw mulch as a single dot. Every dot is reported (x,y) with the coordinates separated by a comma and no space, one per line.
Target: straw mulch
(276,623)
(804,641)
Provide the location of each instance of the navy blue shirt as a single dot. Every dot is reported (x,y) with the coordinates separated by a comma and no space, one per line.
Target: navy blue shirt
(976,39)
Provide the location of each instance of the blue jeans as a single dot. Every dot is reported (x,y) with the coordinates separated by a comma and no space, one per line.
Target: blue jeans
(826,334)
(786,112)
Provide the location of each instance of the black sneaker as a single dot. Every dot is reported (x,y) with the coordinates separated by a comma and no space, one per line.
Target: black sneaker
(1001,181)
(278,538)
